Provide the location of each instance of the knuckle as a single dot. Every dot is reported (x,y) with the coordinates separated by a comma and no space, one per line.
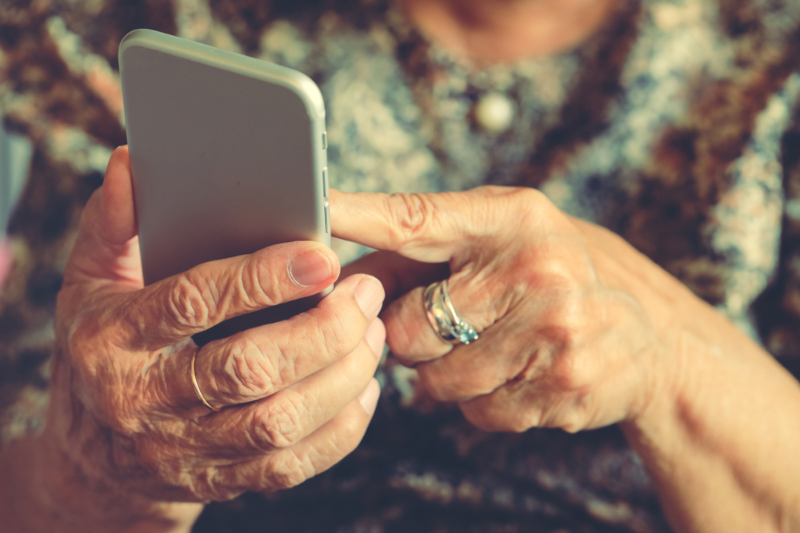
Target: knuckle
(352,430)
(433,383)
(518,423)
(564,324)
(532,416)
(570,415)
(530,201)
(489,414)
(335,333)
(279,427)
(572,426)
(248,370)
(444,385)
(119,415)
(401,336)
(475,413)
(572,371)
(209,485)
(190,301)
(554,277)
(437,392)
(286,471)
(259,286)
(410,214)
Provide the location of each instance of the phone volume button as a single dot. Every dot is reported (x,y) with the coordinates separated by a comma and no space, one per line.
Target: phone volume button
(324,140)
(325,182)
(327,217)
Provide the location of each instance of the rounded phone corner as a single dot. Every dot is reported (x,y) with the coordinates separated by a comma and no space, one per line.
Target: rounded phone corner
(309,92)
(132,38)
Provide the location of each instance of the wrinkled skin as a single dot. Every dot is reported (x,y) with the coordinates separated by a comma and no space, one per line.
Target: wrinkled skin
(558,347)
(579,330)
(295,396)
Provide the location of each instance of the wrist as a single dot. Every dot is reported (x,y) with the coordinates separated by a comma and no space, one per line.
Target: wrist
(43,490)
(660,388)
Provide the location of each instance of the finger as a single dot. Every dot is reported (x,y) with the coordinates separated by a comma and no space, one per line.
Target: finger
(397,274)
(503,354)
(311,456)
(6,258)
(173,309)
(430,227)
(259,362)
(286,418)
(520,406)
(107,247)
(502,410)
(410,334)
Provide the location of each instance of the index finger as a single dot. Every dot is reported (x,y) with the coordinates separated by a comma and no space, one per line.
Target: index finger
(426,227)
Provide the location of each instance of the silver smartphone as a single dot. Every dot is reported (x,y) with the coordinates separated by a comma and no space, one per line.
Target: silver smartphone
(228,156)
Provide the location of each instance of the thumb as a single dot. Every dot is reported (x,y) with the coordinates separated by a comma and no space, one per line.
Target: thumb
(107,246)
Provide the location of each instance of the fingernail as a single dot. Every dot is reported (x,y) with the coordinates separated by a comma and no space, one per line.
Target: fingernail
(376,337)
(309,268)
(369,398)
(369,295)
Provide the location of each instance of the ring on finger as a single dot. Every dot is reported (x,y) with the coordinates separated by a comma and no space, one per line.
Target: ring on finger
(443,317)
(197,390)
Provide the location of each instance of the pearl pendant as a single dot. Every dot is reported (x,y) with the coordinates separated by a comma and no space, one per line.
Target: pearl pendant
(494,112)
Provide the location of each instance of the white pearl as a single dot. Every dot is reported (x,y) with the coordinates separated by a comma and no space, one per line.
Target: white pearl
(494,112)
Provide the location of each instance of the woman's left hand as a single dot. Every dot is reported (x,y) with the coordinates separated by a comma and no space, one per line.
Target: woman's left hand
(579,330)
(561,344)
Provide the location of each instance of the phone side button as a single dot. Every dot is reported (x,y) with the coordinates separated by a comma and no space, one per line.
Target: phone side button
(327,217)
(325,182)
(324,140)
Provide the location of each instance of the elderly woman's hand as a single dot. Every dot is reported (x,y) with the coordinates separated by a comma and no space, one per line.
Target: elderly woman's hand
(295,397)
(579,330)
(557,347)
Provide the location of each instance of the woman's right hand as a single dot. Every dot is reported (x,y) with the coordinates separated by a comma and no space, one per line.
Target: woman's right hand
(295,396)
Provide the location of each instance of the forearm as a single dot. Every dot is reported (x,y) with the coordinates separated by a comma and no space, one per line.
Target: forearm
(723,450)
(721,431)
(43,492)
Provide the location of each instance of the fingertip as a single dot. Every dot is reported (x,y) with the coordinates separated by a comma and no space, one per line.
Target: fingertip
(369,397)
(120,153)
(117,169)
(376,337)
(369,294)
(313,267)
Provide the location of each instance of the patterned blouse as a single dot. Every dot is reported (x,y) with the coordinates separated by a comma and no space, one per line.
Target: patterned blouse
(676,125)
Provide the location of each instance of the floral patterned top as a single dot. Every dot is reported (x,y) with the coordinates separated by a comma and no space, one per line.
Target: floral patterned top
(676,125)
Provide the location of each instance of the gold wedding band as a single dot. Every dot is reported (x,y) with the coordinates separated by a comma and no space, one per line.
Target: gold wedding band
(197,390)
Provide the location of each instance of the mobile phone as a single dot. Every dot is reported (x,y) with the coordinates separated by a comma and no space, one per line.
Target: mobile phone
(228,156)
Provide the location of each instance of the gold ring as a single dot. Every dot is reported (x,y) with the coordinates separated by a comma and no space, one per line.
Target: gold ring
(197,390)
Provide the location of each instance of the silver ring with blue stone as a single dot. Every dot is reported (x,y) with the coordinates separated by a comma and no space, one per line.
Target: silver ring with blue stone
(443,317)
